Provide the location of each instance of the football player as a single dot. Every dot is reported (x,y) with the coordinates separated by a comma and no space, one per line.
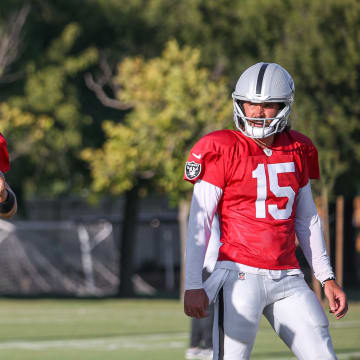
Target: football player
(8,203)
(257,179)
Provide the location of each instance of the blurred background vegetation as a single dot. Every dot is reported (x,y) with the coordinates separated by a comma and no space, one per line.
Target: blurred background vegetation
(105,97)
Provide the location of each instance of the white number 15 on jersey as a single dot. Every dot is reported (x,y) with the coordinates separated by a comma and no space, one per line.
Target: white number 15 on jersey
(279,191)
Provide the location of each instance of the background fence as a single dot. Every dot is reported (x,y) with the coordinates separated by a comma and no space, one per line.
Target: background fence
(81,258)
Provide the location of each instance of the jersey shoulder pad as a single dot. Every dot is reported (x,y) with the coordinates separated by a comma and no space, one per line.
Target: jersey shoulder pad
(309,153)
(218,141)
(208,158)
(301,139)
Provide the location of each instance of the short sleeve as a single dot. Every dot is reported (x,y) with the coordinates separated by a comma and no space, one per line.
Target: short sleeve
(4,155)
(310,163)
(205,162)
(313,163)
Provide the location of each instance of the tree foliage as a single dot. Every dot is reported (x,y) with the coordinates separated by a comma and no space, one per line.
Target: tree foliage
(175,102)
(61,40)
(320,51)
(43,124)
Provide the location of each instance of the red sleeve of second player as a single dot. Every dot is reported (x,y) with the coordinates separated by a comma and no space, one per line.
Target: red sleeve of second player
(205,162)
(4,156)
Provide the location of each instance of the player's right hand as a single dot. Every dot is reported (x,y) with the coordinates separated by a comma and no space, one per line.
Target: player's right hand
(196,303)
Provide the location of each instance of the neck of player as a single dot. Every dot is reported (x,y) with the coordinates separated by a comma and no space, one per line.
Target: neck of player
(265,142)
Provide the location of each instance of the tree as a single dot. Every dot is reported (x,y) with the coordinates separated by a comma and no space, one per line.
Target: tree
(317,43)
(44,125)
(319,50)
(175,102)
(11,35)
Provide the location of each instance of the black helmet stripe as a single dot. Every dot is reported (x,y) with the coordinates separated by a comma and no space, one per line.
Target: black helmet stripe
(260,78)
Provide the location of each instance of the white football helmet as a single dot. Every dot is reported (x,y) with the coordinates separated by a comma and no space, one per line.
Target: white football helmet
(263,82)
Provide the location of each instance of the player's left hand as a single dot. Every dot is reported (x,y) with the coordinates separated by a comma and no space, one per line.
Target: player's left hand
(337,299)
(3,190)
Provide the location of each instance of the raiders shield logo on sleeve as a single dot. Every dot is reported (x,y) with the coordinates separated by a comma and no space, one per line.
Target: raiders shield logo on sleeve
(192,170)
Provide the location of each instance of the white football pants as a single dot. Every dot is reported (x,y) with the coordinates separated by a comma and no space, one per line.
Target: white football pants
(290,306)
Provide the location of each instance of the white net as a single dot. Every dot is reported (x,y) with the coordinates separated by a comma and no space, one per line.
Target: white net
(62,258)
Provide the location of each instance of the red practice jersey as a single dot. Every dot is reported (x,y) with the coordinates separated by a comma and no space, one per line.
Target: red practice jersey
(257,209)
(4,156)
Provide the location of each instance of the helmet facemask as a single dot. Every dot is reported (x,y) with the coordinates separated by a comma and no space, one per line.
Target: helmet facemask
(270,125)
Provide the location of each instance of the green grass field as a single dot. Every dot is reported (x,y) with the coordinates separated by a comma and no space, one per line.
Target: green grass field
(128,330)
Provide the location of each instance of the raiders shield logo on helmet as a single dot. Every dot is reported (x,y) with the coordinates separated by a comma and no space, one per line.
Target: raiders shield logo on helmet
(192,170)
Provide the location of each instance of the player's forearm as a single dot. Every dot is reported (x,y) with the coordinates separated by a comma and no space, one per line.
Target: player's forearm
(310,235)
(8,207)
(203,207)
(313,245)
